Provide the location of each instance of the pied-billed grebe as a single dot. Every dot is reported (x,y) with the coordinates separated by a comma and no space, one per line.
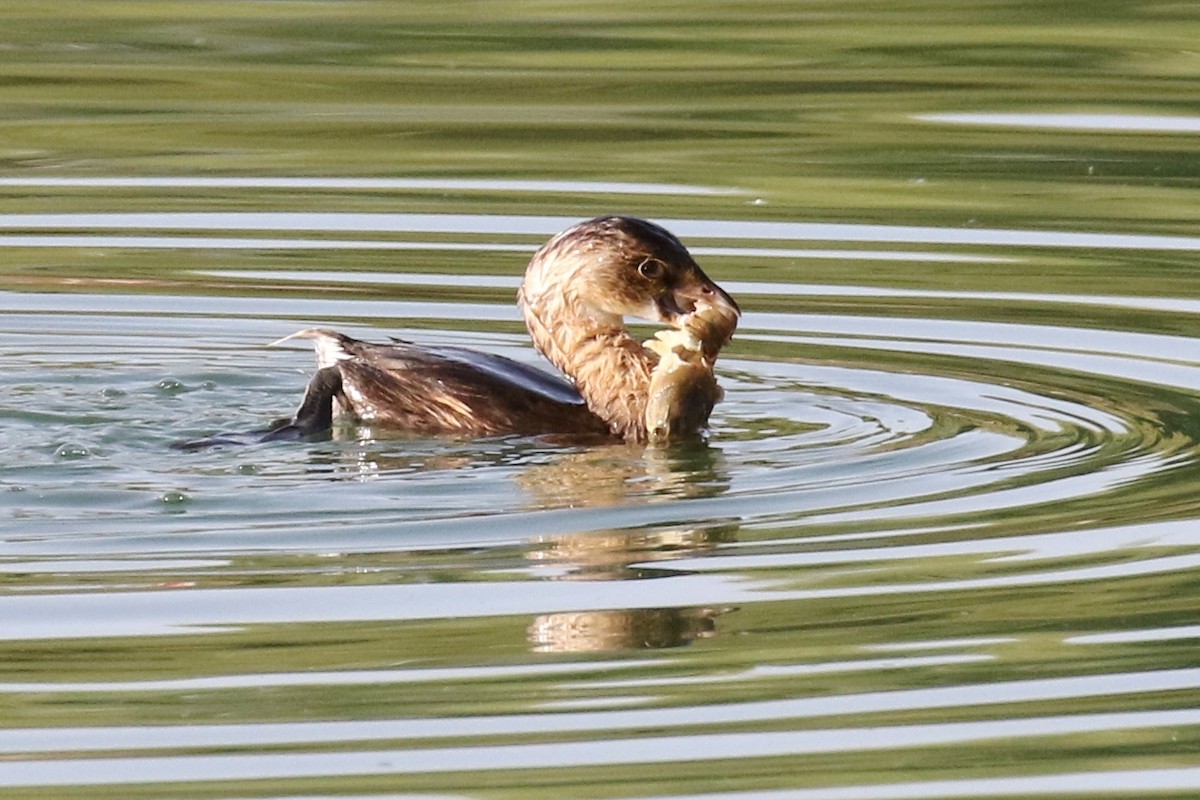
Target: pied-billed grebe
(577,290)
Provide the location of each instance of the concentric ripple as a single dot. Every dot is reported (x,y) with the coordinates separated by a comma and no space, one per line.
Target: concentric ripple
(830,418)
(992,425)
(927,526)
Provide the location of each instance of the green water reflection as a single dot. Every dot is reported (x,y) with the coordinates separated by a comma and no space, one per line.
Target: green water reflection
(812,107)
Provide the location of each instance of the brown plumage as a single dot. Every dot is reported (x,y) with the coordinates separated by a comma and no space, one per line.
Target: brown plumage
(577,290)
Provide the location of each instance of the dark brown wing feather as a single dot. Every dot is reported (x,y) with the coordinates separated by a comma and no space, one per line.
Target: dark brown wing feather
(454,390)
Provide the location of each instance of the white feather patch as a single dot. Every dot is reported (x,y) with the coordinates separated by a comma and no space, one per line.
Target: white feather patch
(326,343)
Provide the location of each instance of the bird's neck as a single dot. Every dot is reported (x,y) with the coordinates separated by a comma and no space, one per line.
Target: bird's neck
(609,367)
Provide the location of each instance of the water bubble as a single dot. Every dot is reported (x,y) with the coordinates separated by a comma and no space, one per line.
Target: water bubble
(174,500)
(170,385)
(111,392)
(70,451)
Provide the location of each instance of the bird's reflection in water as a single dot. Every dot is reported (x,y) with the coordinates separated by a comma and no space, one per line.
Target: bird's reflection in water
(622,475)
(594,478)
(632,629)
(579,476)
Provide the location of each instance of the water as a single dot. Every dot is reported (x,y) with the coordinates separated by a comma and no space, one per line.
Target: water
(941,543)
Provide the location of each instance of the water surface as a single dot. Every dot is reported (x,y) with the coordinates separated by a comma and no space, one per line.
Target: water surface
(941,542)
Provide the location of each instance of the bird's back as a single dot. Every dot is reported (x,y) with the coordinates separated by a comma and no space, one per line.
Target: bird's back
(450,389)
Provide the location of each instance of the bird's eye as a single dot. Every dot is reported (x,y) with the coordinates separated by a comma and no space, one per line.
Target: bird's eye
(651,269)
